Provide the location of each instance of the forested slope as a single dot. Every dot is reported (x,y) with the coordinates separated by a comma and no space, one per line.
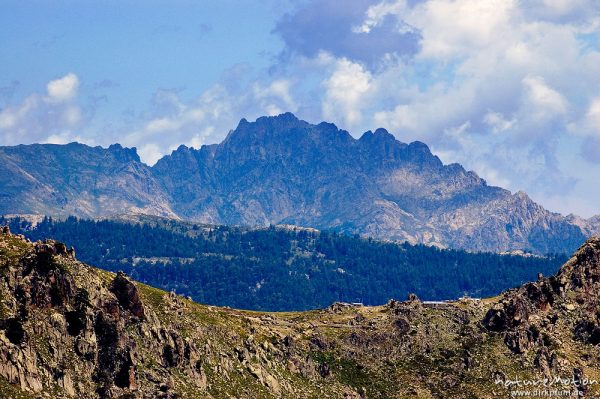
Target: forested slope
(284,268)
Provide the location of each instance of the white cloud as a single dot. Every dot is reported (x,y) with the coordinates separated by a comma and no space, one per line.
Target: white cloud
(376,14)
(346,91)
(72,115)
(455,27)
(163,124)
(150,153)
(497,122)
(544,97)
(67,137)
(275,98)
(63,89)
(53,116)
(592,117)
(425,115)
(200,138)
(491,175)
(11,117)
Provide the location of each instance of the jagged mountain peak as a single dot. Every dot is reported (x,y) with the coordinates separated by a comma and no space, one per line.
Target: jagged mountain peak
(283,136)
(383,133)
(583,269)
(124,154)
(266,126)
(182,149)
(380,135)
(286,117)
(419,152)
(272,135)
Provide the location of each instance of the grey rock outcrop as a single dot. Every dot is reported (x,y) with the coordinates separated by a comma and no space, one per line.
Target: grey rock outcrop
(59,329)
(530,316)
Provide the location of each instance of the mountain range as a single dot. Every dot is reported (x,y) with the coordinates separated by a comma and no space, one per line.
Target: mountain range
(282,170)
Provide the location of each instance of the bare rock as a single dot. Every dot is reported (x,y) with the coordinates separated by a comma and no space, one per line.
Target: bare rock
(127,295)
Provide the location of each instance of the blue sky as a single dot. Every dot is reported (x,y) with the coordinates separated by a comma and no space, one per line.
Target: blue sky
(509,89)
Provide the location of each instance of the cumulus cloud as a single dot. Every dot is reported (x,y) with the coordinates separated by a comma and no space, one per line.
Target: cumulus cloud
(53,116)
(150,153)
(63,89)
(592,116)
(498,122)
(65,137)
(544,100)
(275,98)
(452,28)
(345,92)
(589,129)
(589,125)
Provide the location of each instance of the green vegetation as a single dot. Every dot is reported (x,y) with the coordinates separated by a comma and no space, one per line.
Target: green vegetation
(350,373)
(283,269)
(13,391)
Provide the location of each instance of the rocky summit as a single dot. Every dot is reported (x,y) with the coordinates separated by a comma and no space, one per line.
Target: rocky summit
(68,330)
(282,170)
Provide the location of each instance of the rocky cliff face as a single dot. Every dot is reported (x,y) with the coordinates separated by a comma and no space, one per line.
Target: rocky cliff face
(69,330)
(284,170)
(555,315)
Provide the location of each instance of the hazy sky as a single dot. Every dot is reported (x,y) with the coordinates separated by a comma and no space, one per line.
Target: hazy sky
(508,88)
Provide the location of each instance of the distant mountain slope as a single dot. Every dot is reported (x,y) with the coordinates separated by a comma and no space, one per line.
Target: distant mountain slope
(283,268)
(284,170)
(76,179)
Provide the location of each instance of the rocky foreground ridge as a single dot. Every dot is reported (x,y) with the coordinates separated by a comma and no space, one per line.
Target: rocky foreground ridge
(70,330)
(282,170)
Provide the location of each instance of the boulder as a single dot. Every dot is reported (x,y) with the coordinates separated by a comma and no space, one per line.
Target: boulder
(127,294)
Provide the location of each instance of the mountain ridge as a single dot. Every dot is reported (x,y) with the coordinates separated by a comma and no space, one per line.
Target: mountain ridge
(282,170)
